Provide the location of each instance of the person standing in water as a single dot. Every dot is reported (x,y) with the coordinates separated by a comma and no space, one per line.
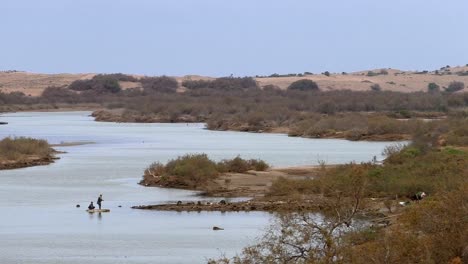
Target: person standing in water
(99,201)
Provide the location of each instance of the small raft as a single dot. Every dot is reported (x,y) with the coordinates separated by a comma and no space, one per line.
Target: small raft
(98,211)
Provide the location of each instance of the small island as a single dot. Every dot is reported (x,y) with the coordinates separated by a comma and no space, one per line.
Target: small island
(24,152)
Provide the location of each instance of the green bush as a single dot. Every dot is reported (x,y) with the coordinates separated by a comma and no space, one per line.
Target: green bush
(191,170)
(433,88)
(101,83)
(240,165)
(403,174)
(304,85)
(223,84)
(455,86)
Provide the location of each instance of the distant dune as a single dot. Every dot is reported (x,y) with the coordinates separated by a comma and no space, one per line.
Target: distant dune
(392,80)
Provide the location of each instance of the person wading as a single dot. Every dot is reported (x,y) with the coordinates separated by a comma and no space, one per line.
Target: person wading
(99,201)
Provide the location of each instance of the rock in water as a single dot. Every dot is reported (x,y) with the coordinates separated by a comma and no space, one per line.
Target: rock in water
(77,206)
(217,228)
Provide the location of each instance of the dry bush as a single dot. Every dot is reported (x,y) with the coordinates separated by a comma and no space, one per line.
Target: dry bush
(22,148)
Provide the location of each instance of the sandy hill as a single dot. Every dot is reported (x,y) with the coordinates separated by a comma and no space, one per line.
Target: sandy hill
(393,80)
(388,79)
(34,83)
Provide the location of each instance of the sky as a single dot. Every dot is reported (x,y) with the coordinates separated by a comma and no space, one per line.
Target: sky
(224,37)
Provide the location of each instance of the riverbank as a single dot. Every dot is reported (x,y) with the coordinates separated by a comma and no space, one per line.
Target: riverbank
(249,184)
(30,161)
(60,107)
(24,152)
(252,184)
(124,116)
(257,187)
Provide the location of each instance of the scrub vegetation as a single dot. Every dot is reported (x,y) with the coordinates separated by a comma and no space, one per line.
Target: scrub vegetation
(24,152)
(366,215)
(239,103)
(194,170)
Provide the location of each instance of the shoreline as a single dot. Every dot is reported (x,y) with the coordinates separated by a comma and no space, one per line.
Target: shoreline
(101,114)
(29,162)
(252,184)
(117,116)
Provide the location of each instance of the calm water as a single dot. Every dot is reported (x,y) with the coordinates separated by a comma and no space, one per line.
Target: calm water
(40,224)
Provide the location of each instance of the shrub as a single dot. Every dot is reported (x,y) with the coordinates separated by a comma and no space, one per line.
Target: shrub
(196,84)
(59,94)
(101,83)
(106,83)
(371,73)
(376,87)
(455,86)
(271,87)
(22,147)
(433,88)
(191,170)
(81,85)
(304,85)
(223,83)
(162,84)
(240,165)
(327,73)
(258,165)
(187,171)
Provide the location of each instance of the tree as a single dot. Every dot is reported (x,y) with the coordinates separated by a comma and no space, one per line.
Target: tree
(305,237)
(304,85)
(455,86)
(106,83)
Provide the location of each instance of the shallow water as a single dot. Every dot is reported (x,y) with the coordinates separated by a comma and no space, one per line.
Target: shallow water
(40,223)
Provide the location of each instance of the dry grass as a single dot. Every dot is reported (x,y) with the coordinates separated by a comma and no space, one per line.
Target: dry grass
(15,149)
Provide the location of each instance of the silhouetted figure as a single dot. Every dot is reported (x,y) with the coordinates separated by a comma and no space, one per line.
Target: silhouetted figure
(99,201)
(91,206)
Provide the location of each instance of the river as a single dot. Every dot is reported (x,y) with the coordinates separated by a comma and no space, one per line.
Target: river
(39,222)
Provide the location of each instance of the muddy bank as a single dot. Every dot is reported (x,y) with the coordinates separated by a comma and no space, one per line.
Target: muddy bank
(29,162)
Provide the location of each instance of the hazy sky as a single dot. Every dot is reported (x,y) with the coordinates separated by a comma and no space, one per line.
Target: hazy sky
(240,37)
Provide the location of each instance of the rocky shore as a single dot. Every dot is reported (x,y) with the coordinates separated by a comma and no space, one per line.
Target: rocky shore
(245,206)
